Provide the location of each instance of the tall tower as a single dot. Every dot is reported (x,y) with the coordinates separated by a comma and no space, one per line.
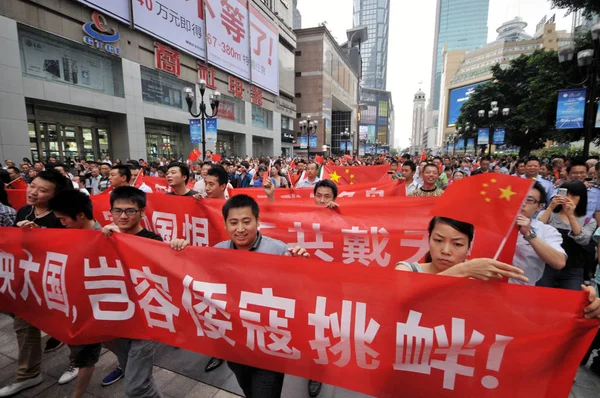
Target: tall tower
(418,125)
(459,25)
(297,24)
(375,14)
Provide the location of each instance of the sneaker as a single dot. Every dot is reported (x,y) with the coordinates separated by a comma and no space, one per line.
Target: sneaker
(113,377)
(314,388)
(52,345)
(20,386)
(212,364)
(69,375)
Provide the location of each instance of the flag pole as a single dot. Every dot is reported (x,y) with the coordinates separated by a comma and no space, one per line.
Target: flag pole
(505,239)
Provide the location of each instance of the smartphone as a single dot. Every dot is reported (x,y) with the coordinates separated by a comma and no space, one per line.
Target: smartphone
(562,192)
(589,179)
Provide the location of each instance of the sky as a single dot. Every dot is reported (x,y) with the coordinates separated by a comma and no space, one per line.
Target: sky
(410,50)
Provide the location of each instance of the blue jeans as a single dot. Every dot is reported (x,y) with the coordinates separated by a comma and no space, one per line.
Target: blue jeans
(257,383)
(566,278)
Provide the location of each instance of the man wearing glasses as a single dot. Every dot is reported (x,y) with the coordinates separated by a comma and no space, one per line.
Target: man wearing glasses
(538,244)
(127,206)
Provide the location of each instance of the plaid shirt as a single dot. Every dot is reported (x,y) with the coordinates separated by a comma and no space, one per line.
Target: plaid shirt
(8,215)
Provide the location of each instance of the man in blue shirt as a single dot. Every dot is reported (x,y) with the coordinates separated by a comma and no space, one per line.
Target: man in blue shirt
(258,183)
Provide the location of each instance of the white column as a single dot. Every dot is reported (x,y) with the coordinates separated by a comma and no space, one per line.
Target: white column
(130,142)
(14,135)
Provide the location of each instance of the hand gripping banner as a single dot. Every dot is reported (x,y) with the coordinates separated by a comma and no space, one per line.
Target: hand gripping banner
(373,331)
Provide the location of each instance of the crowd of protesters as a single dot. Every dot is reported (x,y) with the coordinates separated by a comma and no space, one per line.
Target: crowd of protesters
(557,243)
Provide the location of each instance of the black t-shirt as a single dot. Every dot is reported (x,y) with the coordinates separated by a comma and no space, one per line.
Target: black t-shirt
(144,233)
(48,221)
(191,192)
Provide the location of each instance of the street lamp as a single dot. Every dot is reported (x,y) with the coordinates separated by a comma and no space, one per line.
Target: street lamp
(203,114)
(493,115)
(345,137)
(588,61)
(309,128)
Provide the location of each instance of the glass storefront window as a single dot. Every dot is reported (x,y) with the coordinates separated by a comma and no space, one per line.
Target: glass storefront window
(49,57)
(232,109)
(261,117)
(161,88)
(70,149)
(87,152)
(103,143)
(33,144)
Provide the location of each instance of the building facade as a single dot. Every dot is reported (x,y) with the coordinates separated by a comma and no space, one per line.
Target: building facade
(326,92)
(297,16)
(376,16)
(79,78)
(463,71)
(418,122)
(376,131)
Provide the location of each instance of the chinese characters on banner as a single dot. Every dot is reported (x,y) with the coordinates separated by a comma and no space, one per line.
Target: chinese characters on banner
(346,325)
(179,23)
(228,35)
(167,59)
(264,42)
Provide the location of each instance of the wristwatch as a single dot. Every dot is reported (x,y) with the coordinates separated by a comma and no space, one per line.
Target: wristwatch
(532,235)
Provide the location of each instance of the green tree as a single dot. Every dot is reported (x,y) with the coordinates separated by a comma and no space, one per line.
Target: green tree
(588,6)
(529,88)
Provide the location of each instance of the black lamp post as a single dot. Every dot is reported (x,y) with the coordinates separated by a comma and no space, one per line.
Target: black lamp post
(589,66)
(467,129)
(493,115)
(309,128)
(203,114)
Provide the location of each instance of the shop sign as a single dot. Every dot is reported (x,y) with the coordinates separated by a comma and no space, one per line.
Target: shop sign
(167,59)
(207,73)
(100,36)
(256,95)
(236,87)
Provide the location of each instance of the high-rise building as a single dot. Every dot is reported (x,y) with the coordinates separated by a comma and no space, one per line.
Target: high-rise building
(418,124)
(297,17)
(459,25)
(375,15)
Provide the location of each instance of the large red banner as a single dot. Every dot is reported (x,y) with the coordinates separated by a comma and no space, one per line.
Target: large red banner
(371,231)
(377,332)
(351,175)
(384,189)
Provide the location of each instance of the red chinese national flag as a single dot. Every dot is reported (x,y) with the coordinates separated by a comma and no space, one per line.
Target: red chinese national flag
(350,175)
(139,180)
(194,155)
(319,159)
(216,157)
(423,155)
(18,183)
(486,200)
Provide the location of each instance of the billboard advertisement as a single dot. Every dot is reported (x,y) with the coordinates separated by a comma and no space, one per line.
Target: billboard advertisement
(570,109)
(598,117)
(343,146)
(196,131)
(118,9)
(483,136)
(211,130)
(178,23)
(227,35)
(471,144)
(460,144)
(313,142)
(349,147)
(363,132)
(457,98)
(499,134)
(264,38)
(303,142)
(372,133)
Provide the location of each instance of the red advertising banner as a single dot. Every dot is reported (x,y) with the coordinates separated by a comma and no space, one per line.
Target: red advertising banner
(371,331)
(383,189)
(351,175)
(369,231)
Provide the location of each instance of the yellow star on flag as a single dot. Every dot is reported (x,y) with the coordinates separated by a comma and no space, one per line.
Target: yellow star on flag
(347,171)
(351,182)
(507,193)
(335,177)
(351,176)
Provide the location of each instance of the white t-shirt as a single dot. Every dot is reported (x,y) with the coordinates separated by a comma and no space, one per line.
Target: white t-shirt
(527,259)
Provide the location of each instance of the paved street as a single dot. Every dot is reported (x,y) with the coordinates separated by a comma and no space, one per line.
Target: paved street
(180,374)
